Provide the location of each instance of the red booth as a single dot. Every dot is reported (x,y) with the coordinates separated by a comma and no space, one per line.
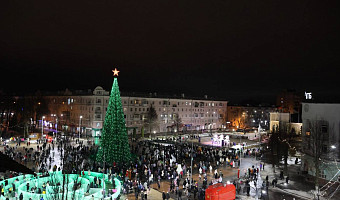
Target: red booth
(220,192)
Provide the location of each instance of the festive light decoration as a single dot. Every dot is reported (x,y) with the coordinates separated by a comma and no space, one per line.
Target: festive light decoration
(55,190)
(115,72)
(114,140)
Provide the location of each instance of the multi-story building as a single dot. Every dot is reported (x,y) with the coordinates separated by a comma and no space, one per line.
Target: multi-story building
(87,110)
(289,101)
(284,119)
(321,138)
(249,116)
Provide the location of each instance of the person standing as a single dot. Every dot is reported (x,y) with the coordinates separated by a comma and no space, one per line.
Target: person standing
(145,195)
(163,195)
(281,175)
(159,184)
(179,194)
(142,195)
(21,196)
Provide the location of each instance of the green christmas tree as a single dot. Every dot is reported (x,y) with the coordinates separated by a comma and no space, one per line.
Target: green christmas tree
(114,140)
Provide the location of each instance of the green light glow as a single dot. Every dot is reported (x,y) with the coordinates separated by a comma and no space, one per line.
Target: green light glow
(55,192)
(114,140)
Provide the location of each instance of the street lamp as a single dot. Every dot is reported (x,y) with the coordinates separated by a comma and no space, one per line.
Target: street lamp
(42,126)
(56,127)
(192,149)
(80,124)
(56,123)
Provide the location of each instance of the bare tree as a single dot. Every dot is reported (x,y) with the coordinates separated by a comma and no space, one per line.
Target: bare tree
(279,145)
(151,120)
(316,139)
(177,121)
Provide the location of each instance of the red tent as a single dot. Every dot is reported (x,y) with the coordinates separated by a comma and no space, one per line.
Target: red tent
(220,192)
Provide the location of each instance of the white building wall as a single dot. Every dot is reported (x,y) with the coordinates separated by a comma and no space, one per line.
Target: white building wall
(328,114)
(276,118)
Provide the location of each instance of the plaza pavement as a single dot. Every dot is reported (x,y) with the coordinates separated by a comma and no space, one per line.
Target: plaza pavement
(299,186)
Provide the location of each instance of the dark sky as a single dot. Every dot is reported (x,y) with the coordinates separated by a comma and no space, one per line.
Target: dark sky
(236,50)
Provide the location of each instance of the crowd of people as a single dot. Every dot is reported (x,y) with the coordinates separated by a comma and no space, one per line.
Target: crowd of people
(156,161)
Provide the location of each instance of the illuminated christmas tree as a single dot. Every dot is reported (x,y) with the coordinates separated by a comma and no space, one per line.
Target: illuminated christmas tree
(114,140)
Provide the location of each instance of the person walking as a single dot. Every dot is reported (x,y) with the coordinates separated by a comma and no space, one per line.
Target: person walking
(287,179)
(163,195)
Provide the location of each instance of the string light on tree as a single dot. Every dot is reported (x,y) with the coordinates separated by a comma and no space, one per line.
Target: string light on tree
(114,140)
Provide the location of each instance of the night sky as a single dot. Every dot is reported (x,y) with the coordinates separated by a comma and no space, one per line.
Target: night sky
(236,50)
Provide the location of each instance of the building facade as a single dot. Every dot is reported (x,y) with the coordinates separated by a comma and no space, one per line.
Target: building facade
(86,112)
(249,116)
(289,101)
(277,119)
(321,136)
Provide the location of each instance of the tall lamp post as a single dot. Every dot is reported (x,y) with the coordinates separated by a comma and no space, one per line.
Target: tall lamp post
(56,126)
(42,126)
(80,124)
(192,148)
(56,123)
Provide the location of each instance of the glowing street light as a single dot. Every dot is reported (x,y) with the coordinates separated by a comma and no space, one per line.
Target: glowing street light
(80,124)
(42,126)
(333,147)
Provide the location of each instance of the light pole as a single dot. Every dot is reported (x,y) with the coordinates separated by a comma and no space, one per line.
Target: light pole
(240,150)
(56,126)
(103,175)
(192,148)
(61,120)
(80,124)
(42,126)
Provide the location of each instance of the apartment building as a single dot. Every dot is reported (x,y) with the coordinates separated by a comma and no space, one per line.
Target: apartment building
(86,110)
